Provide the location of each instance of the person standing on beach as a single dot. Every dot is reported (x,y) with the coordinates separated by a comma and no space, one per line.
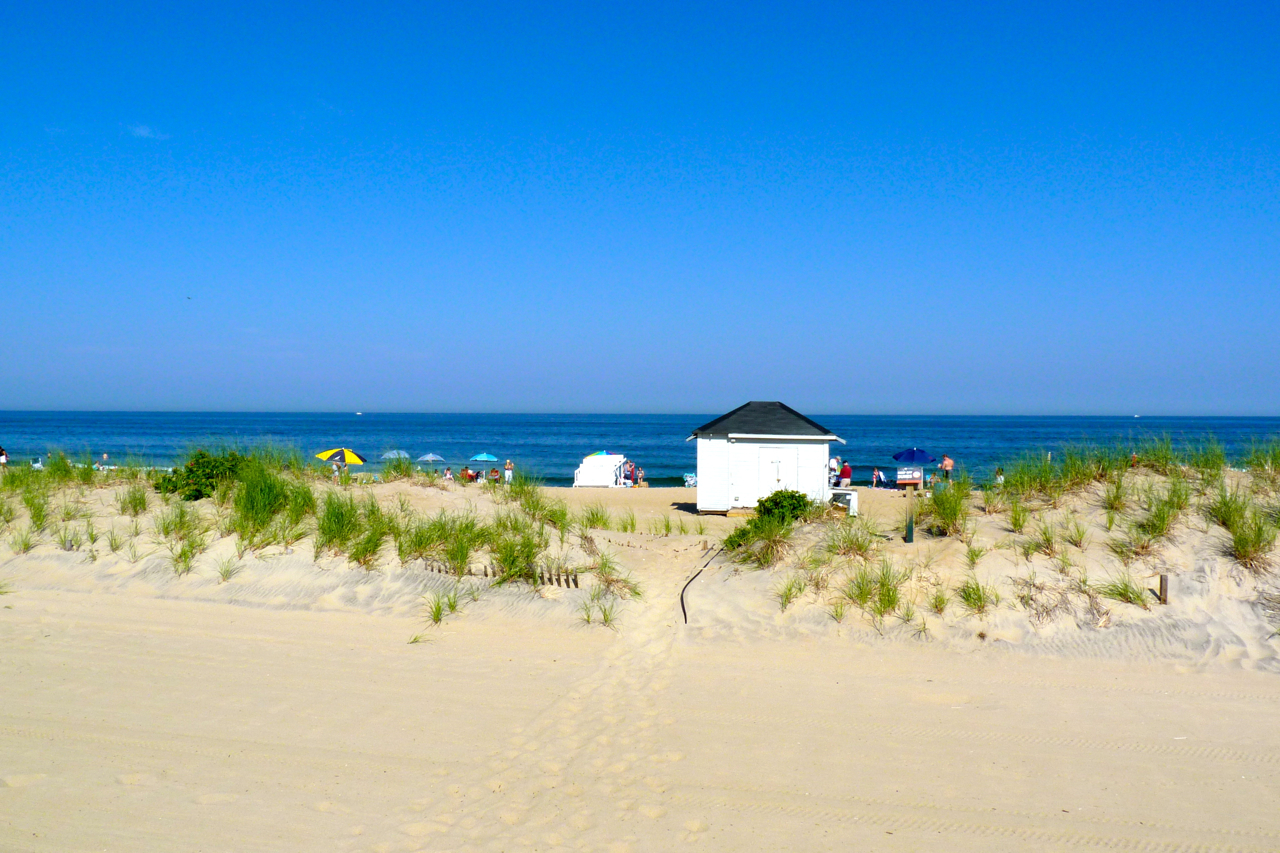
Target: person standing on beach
(508,472)
(846,475)
(4,459)
(948,464)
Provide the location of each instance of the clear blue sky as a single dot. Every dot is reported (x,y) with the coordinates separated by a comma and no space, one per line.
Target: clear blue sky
(944,208)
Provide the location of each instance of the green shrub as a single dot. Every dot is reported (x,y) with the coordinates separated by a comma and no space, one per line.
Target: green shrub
(200,476)
(785,504)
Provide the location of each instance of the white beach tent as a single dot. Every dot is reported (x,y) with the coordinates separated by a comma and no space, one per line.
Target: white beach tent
(756,450)
(601,470)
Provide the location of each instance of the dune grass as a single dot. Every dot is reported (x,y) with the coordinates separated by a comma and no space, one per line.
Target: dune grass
(610,577)
(133,500)
(596,516)
(861,587)
(1252,539)
(762,542)
(976,597)
(1018,516)
(23,541)
(1229,507)
(337,524)
(37,503)
(790,590)
(515,557)
(947,509)
(939,600)
(1124,588)
(375,526)
(627,522)
(855,538)
(1115,496)
(1075,533)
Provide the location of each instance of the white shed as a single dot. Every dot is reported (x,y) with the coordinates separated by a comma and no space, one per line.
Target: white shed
(756,450)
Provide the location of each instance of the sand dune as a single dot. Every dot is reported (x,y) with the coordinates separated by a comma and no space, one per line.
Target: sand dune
(285,709)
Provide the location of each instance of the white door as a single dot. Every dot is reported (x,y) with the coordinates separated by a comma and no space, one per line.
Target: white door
(777,470)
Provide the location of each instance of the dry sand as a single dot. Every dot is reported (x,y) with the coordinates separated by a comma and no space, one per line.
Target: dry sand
(285,709)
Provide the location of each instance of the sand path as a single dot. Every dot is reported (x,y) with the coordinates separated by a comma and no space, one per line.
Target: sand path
(131,723)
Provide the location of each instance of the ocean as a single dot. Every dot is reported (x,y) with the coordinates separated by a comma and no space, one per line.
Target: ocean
(551,446)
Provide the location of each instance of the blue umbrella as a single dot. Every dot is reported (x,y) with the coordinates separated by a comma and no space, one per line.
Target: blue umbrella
(395,454)
(914,456)
(484,457)
(430,457)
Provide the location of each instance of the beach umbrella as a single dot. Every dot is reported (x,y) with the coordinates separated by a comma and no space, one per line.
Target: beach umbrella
(345,455)
(914,456)
(603,453)
(430,457)
(484,457)
(395,454)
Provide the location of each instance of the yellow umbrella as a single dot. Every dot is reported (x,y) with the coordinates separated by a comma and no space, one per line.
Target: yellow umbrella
(341,454)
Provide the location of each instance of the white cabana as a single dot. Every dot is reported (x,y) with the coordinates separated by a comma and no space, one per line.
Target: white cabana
(601,471)
(756,450)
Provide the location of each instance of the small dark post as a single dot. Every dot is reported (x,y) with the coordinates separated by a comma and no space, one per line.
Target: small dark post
(1164,589)
(911,514)
(575,578)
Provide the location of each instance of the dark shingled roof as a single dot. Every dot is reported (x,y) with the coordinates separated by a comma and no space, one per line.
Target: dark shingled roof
(764,418)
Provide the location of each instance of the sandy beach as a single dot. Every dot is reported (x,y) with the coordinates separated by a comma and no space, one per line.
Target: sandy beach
(286,708)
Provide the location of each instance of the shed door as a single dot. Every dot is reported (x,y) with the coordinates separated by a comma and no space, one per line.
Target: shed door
(777,470)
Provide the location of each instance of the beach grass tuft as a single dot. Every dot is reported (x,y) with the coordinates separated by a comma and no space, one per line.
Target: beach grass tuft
(627,522)
(228,568)
(1018,516)
(337,524)
(596,516)
(838,609)
(1124,588)
(939,600)
(37,503)
(947,509)
(1076,533)
(976,597)
(791,589)
(861,587)
(1252,539)
(611,579)
(856,538)
(133,500)
(23,541)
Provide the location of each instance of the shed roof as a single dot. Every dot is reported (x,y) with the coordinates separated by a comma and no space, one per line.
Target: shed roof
(761,417)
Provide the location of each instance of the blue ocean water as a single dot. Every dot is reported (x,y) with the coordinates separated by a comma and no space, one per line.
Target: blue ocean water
(552,445)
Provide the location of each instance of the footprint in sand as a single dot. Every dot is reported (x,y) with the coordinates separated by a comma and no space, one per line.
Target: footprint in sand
(22,781)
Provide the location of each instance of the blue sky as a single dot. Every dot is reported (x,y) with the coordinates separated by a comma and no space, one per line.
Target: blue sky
(946,208)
